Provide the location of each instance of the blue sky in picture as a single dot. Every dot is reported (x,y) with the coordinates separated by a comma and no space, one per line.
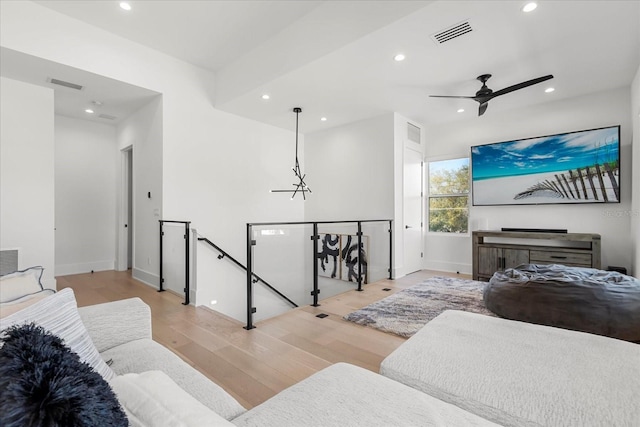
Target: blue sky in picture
(553,153)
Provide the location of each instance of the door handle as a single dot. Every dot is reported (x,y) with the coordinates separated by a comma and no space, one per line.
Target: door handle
(408,226)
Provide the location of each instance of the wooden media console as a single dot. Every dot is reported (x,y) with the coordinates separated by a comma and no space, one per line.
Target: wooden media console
(498,250)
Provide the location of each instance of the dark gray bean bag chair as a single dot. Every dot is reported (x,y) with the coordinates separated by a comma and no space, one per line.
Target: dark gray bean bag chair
(582,299)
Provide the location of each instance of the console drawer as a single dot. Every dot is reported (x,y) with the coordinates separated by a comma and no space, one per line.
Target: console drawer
(557,257)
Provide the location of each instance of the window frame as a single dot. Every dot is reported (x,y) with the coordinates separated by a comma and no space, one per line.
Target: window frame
(430,196)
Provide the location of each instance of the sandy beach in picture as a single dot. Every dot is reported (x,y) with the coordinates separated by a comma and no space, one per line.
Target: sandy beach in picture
(502,191)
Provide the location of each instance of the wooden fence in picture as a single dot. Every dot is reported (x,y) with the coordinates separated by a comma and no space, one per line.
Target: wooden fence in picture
(580,184)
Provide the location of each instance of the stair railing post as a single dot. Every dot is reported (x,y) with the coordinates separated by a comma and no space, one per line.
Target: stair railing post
(359,256)
(186,263)
(250,308)
(314,241)
(160,289)
(390,250)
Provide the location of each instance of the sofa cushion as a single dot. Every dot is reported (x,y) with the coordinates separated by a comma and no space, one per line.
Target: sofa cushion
(58,314)
(346,395)
(146,355)
(509,371)
(152,399)
(117,322)
(44,383)
(20,283)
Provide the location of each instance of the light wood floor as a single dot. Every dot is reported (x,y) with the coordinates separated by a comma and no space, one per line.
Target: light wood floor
(255,365)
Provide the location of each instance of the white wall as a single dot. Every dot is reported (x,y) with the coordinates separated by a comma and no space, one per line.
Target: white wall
(27,175)
(350,170)
(216,169)
(142,131)
(634,216)
(85,195)
(453,253)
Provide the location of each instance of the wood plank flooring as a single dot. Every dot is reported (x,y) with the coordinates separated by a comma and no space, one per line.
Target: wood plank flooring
(257,364)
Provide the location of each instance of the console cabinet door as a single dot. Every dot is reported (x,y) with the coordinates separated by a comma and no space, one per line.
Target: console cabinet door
(488,261)
(514,257)
(491,260)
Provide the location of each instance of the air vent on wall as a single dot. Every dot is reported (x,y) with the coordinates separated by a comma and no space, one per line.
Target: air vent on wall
(107,117)
(65,84)
(413,133)
(452,32)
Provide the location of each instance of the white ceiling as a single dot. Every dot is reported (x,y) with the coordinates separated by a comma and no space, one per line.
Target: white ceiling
(118,99)
(335,58)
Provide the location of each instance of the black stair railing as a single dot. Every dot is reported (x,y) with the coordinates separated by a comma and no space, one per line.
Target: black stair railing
(255,277)
(314,239)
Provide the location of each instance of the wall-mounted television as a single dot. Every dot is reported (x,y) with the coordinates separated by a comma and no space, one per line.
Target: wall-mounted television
(569,168)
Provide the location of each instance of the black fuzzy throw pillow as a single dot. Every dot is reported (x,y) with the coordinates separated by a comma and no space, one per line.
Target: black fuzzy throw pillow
(43,383)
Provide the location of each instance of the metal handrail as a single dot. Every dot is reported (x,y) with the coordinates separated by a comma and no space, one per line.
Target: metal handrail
(224,254)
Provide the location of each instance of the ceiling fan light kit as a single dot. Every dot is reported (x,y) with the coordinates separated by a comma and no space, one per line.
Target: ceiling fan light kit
(484,95)
(300,186)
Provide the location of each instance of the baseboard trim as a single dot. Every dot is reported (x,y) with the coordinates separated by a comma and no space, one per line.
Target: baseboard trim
(86,267)
(449,267)
(146,277)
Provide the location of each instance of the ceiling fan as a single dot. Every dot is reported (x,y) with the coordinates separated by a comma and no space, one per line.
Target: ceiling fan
(484,95)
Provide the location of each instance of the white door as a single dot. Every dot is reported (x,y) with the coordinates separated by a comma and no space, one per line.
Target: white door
(413,223)
(125,214)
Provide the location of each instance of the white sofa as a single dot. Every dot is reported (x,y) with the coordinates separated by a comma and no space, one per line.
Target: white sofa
(461,369)
(340,395)
(157,388)
(519,374)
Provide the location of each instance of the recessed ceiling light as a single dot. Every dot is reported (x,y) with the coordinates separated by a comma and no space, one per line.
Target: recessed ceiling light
(399,57)
(265,96)
(323,119)
(89,111)
(549,89)
(124,5)
(529,7)
(461,110)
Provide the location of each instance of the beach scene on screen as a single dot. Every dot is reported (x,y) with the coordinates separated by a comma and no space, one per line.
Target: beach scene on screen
(575,167)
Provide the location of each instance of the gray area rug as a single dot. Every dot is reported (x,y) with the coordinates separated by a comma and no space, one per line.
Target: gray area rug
(405,312)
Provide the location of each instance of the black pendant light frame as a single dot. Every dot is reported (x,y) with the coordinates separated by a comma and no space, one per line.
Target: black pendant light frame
(300,186)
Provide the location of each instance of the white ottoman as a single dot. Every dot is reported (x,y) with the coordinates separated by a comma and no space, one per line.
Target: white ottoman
(345,395)
(512,372)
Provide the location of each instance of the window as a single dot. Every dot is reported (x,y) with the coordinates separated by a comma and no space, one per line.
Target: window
(449,196)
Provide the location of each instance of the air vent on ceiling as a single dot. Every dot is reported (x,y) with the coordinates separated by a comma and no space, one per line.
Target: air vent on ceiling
(65,84)
(107,117)
(413,133)
(452,32)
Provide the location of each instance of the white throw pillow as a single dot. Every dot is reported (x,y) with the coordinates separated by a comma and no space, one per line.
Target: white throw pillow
(59,315)
(20,283)
(153,399)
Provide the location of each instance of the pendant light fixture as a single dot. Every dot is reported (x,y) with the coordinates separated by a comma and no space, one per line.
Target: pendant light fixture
(300,186)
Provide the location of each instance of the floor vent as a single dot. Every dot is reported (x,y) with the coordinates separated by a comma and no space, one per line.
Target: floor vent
(322,315)
(386,289)
(65,84)
(452,32)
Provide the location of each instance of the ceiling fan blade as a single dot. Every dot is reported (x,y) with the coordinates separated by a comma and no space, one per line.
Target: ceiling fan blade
(445,96)
(521,85)
(483,108)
